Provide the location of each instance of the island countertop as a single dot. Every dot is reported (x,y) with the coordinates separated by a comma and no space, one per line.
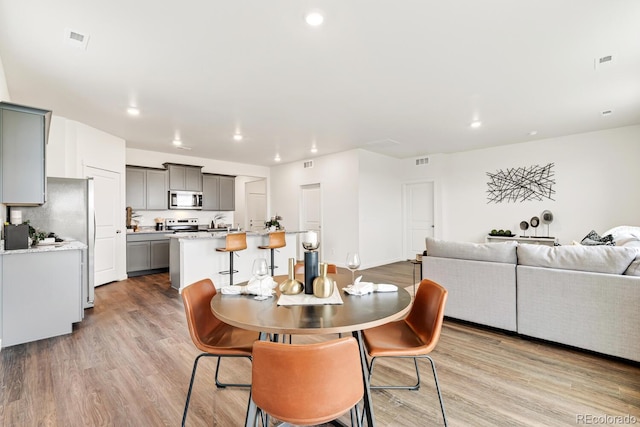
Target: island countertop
(220,234)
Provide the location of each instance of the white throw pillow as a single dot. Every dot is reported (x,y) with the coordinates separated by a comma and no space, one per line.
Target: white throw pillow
(597,259)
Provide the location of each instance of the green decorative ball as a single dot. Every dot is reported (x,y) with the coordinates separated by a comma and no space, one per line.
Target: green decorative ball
(500,232)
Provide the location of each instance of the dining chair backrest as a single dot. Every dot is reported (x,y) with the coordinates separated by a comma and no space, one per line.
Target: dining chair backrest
(427,313)
(307,384)
(200,319)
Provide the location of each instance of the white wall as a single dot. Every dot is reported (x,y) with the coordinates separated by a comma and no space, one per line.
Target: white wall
(4,90)
(380,209)
(337,175)
(596,174)
(243,171)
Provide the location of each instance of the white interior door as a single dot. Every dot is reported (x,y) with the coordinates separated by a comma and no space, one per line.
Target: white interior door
(256,201)
(108,223)
(418,217)
(311,217)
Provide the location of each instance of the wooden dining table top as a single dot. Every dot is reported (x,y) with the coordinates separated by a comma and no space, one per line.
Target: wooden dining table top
(356,313)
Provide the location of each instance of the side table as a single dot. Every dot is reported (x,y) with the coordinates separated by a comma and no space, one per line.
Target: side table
(416,262)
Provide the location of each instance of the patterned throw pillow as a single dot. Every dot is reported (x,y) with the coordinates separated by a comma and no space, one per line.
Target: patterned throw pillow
(594,239)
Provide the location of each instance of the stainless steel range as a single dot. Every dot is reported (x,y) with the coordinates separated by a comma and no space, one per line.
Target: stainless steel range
(181,225)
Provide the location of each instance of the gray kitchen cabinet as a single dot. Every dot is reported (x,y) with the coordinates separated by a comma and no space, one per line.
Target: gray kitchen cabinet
(218,192)
(147,253)
(227,193)
(40,302)
(147,188)
(184,177)
(159,254)
(23,139)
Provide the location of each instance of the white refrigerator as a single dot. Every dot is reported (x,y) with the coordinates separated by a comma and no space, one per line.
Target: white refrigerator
(69,213)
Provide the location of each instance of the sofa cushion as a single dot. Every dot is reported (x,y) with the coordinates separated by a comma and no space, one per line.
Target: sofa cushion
(492,252)
(598,259)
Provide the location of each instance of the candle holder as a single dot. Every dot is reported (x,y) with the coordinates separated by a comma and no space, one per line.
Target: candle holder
(310,244)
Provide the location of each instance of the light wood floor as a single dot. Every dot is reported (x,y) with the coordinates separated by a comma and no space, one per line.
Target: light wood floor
(129,362)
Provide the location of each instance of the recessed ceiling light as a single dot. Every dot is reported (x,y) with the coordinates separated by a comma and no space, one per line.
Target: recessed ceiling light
(314,149)
(237,137)
(277,158)
(476,124)
(177,142)
(314,19)
(533,132)
(133,111)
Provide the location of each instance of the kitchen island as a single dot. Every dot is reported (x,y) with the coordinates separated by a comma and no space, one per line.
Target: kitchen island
(41,291)
(193,256)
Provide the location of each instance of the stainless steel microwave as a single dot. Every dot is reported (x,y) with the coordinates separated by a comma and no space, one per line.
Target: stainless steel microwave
(185,199)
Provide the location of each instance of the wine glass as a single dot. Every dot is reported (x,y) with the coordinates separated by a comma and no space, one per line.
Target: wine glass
(260,271)
(353,263)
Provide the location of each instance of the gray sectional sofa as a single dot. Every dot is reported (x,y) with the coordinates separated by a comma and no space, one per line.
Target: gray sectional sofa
(583,296)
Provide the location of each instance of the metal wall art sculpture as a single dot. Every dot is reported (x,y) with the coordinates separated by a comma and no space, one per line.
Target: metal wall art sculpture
(521,184)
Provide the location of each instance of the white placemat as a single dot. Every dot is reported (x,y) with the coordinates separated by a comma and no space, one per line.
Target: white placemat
(304,299)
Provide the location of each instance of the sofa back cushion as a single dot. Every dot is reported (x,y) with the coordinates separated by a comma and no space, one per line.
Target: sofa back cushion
(492,252)
(597,259)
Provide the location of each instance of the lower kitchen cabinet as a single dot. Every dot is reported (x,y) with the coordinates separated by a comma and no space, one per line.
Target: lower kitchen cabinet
(41,294)
(147,253)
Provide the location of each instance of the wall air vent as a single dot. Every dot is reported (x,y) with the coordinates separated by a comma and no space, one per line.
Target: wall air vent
(422,161)
(603,61)
(308,164)
(183,147)
(76,38)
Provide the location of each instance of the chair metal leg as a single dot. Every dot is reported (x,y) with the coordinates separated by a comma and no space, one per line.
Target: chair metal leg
(193,376)
(218,383)
(224,385)
(417,385)
(435,377)
(231,268)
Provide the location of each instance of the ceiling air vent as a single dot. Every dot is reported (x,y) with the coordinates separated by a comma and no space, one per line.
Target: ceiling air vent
(76,38)
(308,164)
(422,161)
(183,147)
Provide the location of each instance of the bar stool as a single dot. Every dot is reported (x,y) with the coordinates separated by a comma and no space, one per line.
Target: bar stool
(276,240)
(234,242)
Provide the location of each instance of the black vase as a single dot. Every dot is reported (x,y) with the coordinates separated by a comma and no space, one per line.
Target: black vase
(310,270)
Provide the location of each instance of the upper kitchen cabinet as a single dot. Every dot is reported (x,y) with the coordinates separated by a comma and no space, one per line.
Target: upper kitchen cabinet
(147,188)
(184,177)
(218,192)
(23,138)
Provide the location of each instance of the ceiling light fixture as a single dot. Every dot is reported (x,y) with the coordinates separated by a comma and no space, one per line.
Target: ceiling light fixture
(314,19)
(533,133)
(177,142)
(277,158)
(237,137)
(314,149)
(133,111)
(476,124)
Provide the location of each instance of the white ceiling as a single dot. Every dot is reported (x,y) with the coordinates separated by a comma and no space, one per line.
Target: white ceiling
(402,77)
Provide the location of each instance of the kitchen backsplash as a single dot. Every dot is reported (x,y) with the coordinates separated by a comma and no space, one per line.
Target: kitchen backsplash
(147,218)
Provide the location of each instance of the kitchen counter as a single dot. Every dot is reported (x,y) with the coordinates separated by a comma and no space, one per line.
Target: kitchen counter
(193,256)
(62,246)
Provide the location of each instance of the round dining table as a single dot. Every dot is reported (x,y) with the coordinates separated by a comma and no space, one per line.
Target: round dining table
(356,313)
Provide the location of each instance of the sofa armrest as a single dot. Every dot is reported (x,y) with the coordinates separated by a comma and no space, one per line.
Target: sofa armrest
(479,291)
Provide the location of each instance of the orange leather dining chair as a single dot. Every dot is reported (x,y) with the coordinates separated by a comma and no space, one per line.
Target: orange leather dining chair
(210,335)
(307,384)
(299,268)
(413,337)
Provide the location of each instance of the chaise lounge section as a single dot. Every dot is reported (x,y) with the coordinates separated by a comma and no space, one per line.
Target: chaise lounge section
(585,297)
